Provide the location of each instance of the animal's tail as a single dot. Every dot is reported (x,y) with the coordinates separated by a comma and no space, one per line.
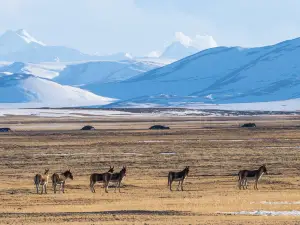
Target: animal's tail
(54,179)
(91,180)
(169,178)
(36,179)
(240,175)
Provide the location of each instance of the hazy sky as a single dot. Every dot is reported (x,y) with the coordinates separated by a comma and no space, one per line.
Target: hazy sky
(141,26)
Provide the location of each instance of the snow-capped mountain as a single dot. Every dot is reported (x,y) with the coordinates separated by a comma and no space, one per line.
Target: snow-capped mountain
(184,46)
(14,41)
(25,88)
(103,72)
(20,46)
(217,75)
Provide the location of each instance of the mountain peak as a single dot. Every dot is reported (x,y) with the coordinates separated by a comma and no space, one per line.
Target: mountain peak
(22,33)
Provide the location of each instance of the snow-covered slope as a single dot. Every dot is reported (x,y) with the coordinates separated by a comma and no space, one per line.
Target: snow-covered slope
(103,72)
(44,70)
(25,88)
(184,46)
(218,75)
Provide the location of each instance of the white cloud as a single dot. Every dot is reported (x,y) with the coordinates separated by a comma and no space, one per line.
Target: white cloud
(200,42)
(204,42)
(183,39)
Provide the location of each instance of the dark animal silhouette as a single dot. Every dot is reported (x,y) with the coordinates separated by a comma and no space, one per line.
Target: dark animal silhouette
(178,176)
(88,127)
(159,127)
(249,125)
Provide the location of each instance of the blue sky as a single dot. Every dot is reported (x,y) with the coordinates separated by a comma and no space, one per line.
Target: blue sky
(141,26)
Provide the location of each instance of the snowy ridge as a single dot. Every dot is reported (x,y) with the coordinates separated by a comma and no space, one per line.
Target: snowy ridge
(103,72)
(27,37)
(44,70)
(25,88)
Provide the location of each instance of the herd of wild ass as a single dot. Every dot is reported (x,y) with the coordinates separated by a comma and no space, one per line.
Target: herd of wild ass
(111,177)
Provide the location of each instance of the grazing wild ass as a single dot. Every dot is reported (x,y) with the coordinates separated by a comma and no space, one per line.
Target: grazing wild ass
(178,176)
(61,180)
(101,178)
(41,180)
(245,175)
(118,177)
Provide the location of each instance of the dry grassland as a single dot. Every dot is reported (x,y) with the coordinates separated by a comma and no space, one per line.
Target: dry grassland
(214,148)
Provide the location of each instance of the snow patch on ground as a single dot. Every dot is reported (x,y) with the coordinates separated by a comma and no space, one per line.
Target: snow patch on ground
(168,153)
(280,203)
(61,112)
(264,213)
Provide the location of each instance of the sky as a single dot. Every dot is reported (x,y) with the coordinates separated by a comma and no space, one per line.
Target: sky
(142,26)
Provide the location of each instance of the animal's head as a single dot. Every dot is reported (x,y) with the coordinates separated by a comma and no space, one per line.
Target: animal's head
(264,169)
(68,174)
(111,169)
(124,170)
(46,171)
(187,169)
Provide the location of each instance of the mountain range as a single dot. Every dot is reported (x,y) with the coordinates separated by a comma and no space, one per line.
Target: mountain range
(216,75)
(20,46)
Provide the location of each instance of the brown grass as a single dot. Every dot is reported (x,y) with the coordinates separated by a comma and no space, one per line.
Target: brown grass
(214,148)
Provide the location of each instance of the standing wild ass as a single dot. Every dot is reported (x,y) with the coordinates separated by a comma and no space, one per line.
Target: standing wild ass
(101,178)
(118,177)
(61,180)
(178,176)
(41,180)
(244,175)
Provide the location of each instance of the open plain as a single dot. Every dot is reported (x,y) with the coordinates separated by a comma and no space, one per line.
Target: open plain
(215,148)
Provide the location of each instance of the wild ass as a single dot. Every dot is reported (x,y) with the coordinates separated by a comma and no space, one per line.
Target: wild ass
(41,180)
(244,175)
(101,178)
(61,180)
(118,177)
(178,176)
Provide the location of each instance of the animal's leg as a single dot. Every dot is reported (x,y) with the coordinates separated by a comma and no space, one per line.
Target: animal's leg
(54,187)
(42,189)
(37,188)
(244,183)
(63,187)
(120,187)
(171,185)
(116,186)
(45,188)
(256,184)
(106,187)
(182,185)
(178,186)
(92,187)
